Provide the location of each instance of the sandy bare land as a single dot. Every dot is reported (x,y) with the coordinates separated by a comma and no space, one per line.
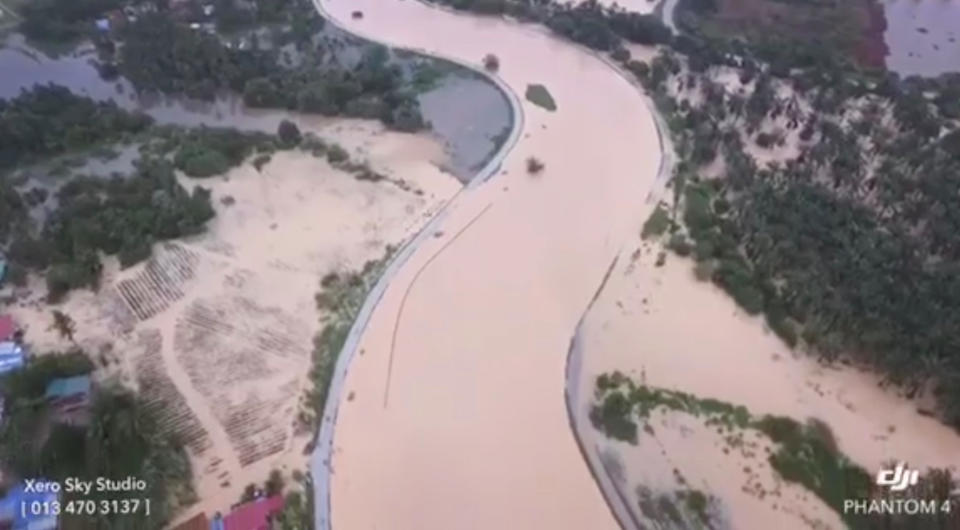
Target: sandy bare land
(660,325)
(458,419)
(217,330)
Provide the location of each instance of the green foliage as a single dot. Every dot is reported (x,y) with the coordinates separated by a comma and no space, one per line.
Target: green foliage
(121,215)
(807,457)
(207,151)
(614,417)
(50,120)
(161,55)
(805,454)
(340,301)
(261,160)
(540,96)
(336,154)
(62,20)
(698,213)
(289,134)
(679,244)
(657,224)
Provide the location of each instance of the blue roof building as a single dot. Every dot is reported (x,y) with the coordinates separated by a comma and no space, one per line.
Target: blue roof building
(68,387)
(11,357)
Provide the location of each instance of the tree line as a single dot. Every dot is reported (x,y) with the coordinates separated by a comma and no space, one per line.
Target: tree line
(162,55)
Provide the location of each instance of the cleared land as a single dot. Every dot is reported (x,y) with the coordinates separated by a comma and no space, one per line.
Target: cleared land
(216,331)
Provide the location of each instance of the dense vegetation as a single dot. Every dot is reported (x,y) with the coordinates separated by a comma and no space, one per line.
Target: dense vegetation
(49,120)
(806,454)
(160,54)
(120,215)
(848,246)
(122,439)
(851,29)
(588,23)
(62,20)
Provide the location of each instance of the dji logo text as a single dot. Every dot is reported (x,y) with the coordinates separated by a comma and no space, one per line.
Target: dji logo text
(898,478)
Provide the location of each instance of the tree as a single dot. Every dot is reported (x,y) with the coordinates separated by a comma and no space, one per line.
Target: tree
(288,133)
(534,165)
(64,325)
(491,62)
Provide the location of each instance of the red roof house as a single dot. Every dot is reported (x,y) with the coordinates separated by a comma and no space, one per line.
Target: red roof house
(7,328)
(254,515)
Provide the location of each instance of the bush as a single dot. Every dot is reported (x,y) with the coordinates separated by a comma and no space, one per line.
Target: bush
(337,154)
(491,62)
(540,96)
(621,55)
(613,417)
(261,160)
(197,161)
(680,245)
(656,224)
(534,166)
(766,140)
(703,271)
(288,133)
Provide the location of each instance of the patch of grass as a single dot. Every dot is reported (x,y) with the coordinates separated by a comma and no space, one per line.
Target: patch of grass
(540,96)
(656,224)
(339,301)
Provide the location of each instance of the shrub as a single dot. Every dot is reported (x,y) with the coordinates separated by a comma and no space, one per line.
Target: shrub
(621,55)
(703,271)
(534,166)
(613,417)
(197,161)
(540,96)
(337,154)
(261,160)
(656,224)
(766,140)
(491,62)
(680,245)
(288,133)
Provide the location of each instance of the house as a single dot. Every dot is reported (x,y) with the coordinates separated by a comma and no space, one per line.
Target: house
(69,398)
(12,512)
(11,357)
(254,515)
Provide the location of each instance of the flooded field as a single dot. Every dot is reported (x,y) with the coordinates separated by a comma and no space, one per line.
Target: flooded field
(923,36)
(468,114)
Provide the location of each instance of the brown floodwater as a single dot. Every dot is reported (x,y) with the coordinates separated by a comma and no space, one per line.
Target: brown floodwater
(456,415)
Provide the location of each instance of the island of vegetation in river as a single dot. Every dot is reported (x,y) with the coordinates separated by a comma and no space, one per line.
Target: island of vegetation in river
(804,453)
